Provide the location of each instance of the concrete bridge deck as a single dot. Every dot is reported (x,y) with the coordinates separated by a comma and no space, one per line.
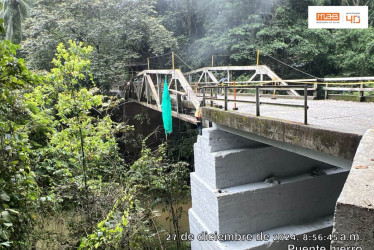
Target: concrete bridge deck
(340,116)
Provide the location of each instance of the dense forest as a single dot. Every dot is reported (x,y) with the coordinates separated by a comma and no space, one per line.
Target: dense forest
(60,158)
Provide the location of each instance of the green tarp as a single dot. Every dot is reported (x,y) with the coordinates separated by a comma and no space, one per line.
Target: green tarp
(166,110)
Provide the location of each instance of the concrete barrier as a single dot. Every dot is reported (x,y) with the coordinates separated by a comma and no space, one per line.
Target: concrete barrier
(354,212)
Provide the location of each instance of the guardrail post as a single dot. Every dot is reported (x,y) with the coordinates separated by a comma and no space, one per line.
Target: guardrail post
(361,93)
(225,93)
(257,101)
(211,96)
(235,108)
(305,104)
(326,93)
(203,96)
(315,90)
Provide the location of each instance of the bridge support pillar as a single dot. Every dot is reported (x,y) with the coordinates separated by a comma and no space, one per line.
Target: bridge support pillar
(249,195)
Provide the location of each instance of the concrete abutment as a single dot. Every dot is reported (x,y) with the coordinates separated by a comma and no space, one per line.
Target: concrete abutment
(248,187)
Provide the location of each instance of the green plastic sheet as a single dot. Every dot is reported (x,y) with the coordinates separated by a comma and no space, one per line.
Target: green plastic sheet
(166,110)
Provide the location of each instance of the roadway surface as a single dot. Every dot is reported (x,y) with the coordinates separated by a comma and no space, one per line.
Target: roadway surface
(342,116)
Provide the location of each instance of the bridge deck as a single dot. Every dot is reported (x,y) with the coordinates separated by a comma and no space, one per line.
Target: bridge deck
(341,116)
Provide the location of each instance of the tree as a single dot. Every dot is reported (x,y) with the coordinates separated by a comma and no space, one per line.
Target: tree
(18,188)
(234,30)
(76,159)
(120,32)
(354,53)
(14,12)
(151,180)
(163,182)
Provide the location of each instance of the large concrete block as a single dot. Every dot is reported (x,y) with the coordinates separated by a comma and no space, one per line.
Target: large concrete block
(262,206)
(196,228)
(218,140)
(321,226)
(246,165)
(204,201)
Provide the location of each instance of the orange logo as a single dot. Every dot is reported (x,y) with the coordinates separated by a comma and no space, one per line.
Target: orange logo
(353,19)
(328,17)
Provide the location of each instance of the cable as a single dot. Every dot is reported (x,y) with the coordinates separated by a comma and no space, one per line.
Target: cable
(140,64)
(186,64)
(158,61)
(291,66)
(160,55)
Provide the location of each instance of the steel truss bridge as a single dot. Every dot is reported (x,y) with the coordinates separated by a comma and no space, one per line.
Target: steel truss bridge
(189,90)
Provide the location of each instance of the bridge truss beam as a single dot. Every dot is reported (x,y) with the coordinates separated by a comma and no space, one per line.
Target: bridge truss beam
(147,88)
(207,73)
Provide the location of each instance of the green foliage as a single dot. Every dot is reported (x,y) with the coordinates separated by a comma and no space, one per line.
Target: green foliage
(110,231)
(71,65)
(234,30)
(152,180)
(18,189)
(181,148)
(59,154)
(121,32)
(354,52)
(75,154)
(153,174)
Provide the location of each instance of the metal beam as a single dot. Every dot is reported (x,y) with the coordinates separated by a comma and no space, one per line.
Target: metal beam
(225,68)
(367,78)
(214,79)
(191,95)
(201,77)
(272,75)
(156,71)
(349,89)
(153,89)
(253,77)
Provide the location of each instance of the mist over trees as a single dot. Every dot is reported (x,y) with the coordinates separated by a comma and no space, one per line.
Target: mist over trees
(234,30)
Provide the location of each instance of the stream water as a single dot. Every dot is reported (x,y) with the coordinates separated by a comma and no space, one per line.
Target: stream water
(60,231)
(167,225)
